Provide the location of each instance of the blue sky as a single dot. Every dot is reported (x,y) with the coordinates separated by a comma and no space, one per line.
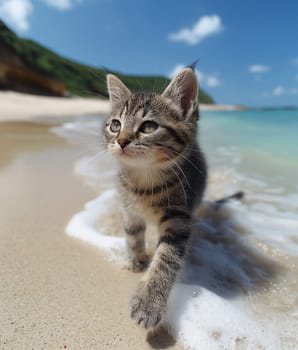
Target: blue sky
(248,50)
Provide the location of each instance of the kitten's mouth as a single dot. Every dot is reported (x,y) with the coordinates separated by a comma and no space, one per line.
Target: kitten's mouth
(124,153)
(127,155)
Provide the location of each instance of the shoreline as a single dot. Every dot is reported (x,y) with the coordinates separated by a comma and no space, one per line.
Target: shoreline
(15,106)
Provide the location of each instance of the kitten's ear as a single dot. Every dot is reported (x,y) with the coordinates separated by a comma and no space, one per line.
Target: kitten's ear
(183,91)
(118,92)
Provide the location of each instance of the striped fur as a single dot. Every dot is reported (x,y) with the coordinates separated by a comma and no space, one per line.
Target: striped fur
(161,179)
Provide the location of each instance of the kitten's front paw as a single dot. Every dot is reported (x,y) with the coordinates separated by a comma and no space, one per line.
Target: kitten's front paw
(139,265)
(147,306)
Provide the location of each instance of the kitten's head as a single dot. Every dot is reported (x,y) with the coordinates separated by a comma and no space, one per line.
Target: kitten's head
(147,129)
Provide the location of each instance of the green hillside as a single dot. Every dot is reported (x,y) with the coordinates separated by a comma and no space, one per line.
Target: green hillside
(79,79)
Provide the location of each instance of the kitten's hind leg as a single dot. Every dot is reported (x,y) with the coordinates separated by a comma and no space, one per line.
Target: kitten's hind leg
(148,304)
(134,227)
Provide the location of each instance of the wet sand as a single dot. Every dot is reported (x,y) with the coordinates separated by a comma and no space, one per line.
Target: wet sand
(56,292)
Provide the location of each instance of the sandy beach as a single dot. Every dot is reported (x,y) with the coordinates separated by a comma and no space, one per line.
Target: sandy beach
(56,292)
(17,106)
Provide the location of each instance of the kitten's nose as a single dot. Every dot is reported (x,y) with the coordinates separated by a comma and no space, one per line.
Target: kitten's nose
(123,142)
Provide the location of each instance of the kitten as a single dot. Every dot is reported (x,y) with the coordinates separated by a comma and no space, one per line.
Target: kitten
(161,179)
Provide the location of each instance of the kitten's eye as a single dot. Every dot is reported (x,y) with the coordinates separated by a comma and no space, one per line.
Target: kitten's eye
(148,127)
(115,125)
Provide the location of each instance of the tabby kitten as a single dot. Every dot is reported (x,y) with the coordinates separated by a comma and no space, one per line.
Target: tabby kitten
(161,179)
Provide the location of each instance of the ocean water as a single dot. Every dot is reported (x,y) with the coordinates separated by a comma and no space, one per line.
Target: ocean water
(238,287)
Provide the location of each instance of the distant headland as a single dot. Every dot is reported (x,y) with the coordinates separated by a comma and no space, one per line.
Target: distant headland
(26,66)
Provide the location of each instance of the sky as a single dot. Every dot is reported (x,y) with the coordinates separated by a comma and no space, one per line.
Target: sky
(248,50)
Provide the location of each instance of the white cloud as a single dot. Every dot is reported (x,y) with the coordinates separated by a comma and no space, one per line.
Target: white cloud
(295,61)
(212,81)
(278,91)
(258,68)
(16,13)
(207,79)
(62,4)
(204,27)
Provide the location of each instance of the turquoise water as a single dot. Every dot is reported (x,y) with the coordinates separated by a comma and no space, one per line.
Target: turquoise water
(263,144)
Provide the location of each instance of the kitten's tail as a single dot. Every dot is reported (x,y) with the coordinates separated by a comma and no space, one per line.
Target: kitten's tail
(238,196)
